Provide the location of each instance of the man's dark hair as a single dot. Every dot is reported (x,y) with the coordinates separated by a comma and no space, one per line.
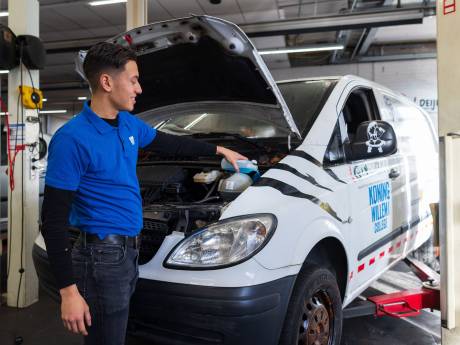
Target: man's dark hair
(105,57)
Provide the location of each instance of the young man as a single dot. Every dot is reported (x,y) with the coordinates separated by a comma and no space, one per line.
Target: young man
(91,182)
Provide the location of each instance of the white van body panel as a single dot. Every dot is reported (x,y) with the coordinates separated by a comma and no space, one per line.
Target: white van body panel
(282,250)
(340,210)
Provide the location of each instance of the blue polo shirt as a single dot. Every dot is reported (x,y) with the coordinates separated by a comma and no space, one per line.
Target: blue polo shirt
(98,161)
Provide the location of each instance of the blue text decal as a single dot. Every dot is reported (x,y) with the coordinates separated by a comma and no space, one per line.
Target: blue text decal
(379,201)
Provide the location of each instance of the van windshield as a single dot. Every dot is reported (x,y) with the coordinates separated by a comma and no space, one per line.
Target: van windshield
(304,99)
(247,120)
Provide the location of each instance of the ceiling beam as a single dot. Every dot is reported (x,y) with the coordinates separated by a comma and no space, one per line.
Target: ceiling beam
(366,43)
(64,4)
(398,57)
(68,46)
(348,21)
(343,37)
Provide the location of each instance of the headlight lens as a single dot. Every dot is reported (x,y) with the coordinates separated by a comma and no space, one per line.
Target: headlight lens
(225,243)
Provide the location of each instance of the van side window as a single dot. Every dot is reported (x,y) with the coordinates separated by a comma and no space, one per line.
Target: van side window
(335,153)
(359,107)
(412,127)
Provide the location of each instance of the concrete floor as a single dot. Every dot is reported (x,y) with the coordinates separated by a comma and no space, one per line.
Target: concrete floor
(40,324)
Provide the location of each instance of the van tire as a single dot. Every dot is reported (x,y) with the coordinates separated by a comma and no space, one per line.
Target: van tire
(315,307)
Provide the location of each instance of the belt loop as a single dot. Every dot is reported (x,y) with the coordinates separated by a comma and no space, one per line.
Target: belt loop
(83,238)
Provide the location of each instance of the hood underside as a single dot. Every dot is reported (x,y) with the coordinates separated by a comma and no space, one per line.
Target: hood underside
(201,71)
(200,58)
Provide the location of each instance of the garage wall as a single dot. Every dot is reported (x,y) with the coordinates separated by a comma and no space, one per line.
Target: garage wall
(54,122)
(417,79)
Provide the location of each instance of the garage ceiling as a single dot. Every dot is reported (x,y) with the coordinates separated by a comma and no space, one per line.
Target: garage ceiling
(67,26)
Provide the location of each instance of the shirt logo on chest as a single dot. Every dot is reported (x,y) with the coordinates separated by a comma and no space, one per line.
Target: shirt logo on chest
(131,139)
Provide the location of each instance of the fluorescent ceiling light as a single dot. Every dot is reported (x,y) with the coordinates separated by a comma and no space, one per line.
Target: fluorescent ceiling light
(3,14)
(194,122)
(82,98)
(44,99)
(53,111)
(4,71)
(106,2)
(305,49)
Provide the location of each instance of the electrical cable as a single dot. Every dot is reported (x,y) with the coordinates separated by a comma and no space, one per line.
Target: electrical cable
(11,165)
(8,133)
(22,202)
(21,266)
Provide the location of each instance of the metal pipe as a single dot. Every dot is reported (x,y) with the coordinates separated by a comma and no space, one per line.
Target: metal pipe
(363,34)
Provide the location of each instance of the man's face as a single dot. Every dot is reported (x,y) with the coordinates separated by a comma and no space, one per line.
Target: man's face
(125,87)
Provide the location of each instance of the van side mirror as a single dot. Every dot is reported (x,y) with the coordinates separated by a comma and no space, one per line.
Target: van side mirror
(373,139)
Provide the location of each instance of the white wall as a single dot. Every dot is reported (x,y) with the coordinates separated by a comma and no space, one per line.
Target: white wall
(417,79)
(54,122)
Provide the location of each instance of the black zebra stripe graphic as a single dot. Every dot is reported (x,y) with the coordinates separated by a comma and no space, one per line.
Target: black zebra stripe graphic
(289,190)
(304,155)
(307,177)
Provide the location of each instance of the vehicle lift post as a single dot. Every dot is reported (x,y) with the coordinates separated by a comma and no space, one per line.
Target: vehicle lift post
(23,201)
(448,50)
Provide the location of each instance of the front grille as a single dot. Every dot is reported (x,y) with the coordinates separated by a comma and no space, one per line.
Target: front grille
(152,236)
(154,225)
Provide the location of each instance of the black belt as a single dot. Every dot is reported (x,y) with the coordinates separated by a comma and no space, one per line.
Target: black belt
(129,241)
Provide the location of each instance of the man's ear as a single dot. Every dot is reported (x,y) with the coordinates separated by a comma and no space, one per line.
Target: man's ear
(106,82)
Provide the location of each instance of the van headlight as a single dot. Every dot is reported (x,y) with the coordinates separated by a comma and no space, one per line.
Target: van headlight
(222,244)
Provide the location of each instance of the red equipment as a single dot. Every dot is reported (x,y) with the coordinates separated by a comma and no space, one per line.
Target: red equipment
(403,303)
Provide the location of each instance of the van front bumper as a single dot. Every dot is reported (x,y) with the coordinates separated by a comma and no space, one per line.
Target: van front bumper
(179,314)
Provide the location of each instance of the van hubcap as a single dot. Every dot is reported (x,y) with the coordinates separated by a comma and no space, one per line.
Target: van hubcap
(315,325)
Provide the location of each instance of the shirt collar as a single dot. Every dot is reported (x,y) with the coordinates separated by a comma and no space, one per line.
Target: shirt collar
(101,125)
(122,119)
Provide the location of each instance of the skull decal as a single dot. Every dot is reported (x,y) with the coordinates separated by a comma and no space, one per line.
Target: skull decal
(374,133)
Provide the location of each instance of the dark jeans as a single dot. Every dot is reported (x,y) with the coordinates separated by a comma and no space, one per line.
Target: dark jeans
(106,277)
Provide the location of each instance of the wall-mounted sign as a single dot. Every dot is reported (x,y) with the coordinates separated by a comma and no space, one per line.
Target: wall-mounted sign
(448,6)
(428,104)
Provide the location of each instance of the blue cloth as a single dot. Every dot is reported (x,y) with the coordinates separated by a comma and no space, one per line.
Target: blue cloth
(97,161)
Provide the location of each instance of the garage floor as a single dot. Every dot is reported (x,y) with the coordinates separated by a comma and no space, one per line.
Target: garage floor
(40,324)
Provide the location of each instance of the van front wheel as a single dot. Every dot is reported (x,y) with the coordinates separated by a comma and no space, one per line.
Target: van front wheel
(314,315)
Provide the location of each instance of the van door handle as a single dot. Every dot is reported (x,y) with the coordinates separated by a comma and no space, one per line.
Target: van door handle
(393,174)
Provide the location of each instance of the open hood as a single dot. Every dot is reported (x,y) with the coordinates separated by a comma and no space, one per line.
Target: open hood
(201,59)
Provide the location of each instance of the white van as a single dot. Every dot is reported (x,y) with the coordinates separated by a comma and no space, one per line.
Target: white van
(345,171)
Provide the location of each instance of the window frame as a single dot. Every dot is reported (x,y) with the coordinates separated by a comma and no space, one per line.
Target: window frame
(374,112)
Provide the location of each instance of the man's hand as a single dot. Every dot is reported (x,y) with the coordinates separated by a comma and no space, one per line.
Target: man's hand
(231,156)
(74,310)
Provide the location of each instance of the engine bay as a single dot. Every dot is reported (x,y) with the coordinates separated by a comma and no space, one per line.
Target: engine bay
(184,196)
